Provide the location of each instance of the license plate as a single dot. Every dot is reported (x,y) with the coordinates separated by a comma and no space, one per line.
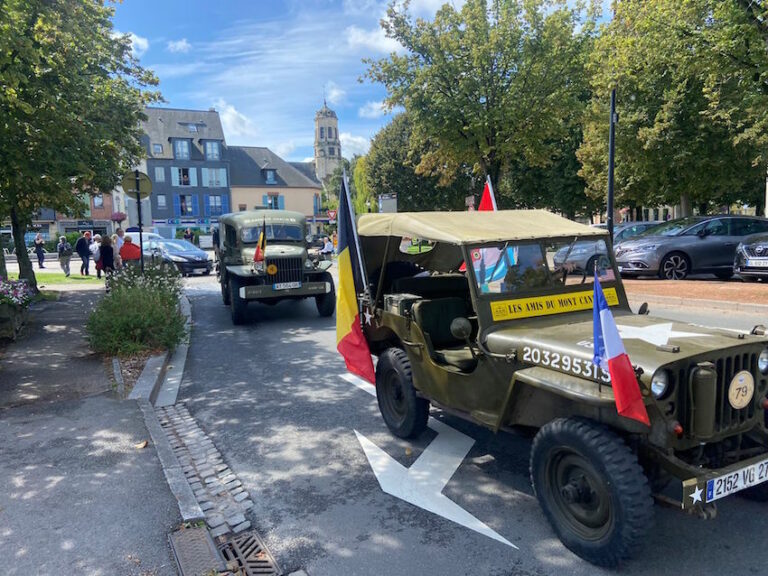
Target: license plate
(286,285)
(738,480)
(753,263)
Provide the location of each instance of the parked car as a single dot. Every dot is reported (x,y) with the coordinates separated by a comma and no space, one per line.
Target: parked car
(751,261)
(692,245)
(187,257)
(584,254)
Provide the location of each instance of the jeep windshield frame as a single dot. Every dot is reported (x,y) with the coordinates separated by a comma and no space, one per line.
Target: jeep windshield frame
(276,232)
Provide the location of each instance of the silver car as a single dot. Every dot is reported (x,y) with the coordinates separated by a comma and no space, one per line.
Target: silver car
(752,258)
(693,245)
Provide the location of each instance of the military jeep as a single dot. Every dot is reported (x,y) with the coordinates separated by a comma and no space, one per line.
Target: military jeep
(286,272)
(490,320)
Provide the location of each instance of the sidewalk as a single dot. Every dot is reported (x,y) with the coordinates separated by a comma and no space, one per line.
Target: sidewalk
(719,294)
(80,495)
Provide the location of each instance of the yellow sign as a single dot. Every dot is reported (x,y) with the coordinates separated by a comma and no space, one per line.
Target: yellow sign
(546,305)
(271,269)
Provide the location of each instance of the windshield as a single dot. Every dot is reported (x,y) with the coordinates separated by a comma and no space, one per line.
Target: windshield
(177,246)
(520,267)
(671,228)
(282,232)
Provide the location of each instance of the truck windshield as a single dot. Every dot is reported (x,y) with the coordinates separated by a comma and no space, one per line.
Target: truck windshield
(279,232)
(524,267)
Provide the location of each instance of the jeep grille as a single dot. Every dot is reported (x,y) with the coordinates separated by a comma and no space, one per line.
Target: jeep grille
(727,418)
(288,269)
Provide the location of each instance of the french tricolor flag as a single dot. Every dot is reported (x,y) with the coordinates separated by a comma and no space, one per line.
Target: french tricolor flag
(611,357)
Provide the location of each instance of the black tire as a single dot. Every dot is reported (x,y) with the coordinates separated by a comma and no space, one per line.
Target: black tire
(724,274)
(592,490)
(224,290)
(238,307)
(404,413)
(206,272)
(675,266)
(326,303)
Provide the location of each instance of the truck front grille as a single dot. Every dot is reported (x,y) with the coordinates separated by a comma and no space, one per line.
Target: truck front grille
(288,270)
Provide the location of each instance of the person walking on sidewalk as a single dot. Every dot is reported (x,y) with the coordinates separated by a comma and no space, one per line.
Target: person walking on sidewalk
(130,253)
(82,247)
(40,249)
(107,259)
(95,249)
(116,245)
(64,249)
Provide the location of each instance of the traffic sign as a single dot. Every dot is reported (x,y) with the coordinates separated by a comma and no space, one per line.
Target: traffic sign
(129,184)
(331,215)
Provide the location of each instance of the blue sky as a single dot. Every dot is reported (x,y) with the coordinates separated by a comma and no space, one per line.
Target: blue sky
(264,65)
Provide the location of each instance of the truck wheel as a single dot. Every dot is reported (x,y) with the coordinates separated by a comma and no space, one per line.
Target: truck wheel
(404,414)
(326,303)
(238,306)
(592,490)
(224,290)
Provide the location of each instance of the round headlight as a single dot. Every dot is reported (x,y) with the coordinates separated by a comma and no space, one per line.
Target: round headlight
(762,362)
(660,383)
(308,263)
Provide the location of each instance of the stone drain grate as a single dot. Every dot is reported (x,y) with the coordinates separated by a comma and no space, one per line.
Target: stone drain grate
(250,554)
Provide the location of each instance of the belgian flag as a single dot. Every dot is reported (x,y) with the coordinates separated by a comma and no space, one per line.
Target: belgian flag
(349,332)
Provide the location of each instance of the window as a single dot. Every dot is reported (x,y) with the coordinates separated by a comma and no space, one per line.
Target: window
(192,127)
(212,151)
(330,133)
(161,201)
(331,151)
(242,207)
(745,226)
(183,176)
(273,202)
(181,149)
(186,205)
(214,205)
(322,132)
(98,201)
(214,177)
(270,177)
(159,174)
(157,148)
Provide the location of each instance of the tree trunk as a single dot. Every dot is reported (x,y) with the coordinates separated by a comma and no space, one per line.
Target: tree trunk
(3,269)
(685,205)
(19,228)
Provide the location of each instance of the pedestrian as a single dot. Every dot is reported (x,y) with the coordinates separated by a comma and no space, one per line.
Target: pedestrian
(64,249)
(40,249)
(116,251)
(335,240)
(82,248)
(120,234)
(107,259)
(130,253)
(95,249)
(188,236)
(327,250)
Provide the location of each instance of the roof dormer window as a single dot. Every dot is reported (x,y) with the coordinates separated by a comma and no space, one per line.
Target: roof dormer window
(192,127)
(181,149)
(269,176)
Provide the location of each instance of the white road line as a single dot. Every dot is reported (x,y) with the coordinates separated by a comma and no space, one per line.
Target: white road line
(360,383)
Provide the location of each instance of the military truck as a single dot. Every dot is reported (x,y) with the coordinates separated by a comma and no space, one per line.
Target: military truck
(285,273)
(486,323)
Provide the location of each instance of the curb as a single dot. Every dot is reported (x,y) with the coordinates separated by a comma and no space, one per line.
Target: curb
(725,305)
(167,388)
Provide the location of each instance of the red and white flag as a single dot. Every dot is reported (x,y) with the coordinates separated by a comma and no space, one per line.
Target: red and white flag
(611,356)
(488,200)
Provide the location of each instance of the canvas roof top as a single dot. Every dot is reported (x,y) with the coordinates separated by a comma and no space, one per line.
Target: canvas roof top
(474,227)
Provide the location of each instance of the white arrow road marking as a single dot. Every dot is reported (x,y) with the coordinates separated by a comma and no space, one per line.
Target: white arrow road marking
(422,484)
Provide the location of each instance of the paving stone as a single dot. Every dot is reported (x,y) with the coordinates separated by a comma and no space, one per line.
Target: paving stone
(246,504)
(205,505)
(210,480)
(205,472)
(240,497)
(217,489)
(195,486)
(234,484)
(200,494)
(228,478)
(242,526)
(220,467)
(220,531)
(236,519)
(214,519)
(237,490)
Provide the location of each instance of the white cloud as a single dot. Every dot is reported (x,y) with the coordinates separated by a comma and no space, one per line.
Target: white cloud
(234,123)
(179,46)
(428,8)
(309,159)
(139,44)
(334,93)
(362,7)
(284,149)
(372,110)
(374,39)
(351,144)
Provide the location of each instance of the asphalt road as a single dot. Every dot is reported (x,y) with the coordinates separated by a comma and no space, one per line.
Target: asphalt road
(272,397)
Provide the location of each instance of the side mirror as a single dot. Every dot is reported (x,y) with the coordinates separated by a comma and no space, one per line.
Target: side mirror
(461,328)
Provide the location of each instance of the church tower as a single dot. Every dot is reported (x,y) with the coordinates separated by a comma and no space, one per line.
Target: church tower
(327,143)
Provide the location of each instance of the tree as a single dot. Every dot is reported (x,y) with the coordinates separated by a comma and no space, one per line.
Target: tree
(72,98)
(391,169)
(487,84)
(692,122)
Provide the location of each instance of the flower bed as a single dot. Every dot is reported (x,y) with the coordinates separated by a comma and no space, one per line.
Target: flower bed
(15,297)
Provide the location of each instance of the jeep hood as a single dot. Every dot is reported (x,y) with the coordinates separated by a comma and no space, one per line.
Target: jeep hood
(276,251)
(649,341)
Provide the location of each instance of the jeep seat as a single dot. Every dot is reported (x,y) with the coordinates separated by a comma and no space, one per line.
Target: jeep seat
(434,317)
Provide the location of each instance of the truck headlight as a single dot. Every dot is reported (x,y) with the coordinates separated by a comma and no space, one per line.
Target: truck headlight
(762,362)
(660,383)
(308,264)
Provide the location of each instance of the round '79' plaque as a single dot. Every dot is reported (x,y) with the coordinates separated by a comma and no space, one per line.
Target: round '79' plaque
(741,390)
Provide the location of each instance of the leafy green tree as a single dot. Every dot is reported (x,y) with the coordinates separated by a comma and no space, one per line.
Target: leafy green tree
(488,84)
(391,169)
(72,98)
(691,102)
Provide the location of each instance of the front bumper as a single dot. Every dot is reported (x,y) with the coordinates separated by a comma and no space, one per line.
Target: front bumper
(194,266)
(637,263)
(702,489)
(268,291)
(750,266)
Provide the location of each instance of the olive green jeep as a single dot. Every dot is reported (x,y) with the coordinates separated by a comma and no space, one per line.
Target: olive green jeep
(489,319)
(286,273)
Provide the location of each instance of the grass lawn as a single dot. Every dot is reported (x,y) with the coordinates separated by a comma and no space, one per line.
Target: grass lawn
(54,278)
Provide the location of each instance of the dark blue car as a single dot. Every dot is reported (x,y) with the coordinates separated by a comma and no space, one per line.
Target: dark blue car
(187,257)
